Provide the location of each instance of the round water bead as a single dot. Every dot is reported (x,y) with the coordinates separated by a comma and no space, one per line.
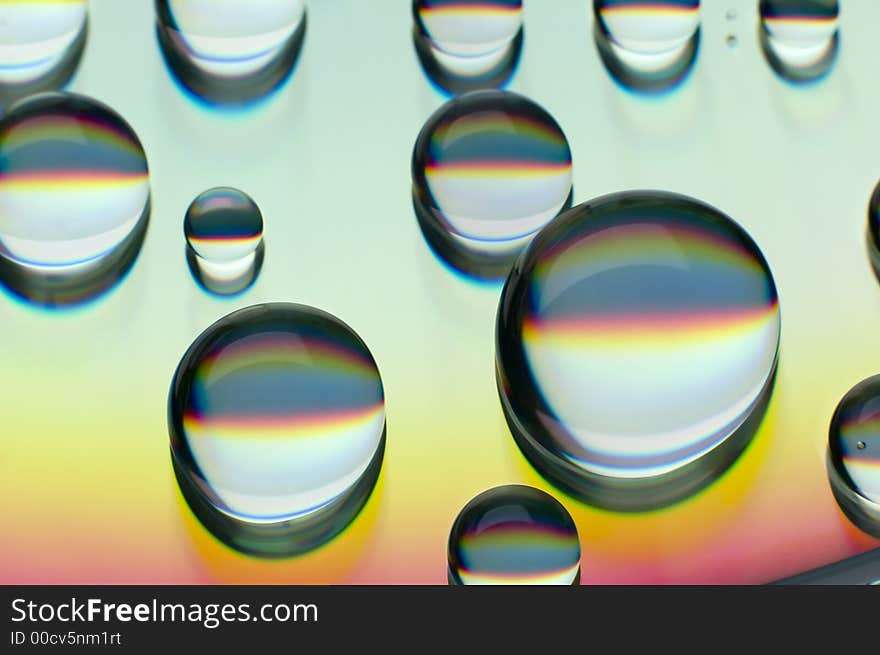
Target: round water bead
(647,46)
(224,234)
(854,455)
(489,169)
(41,44)
(231,51)
(799,37)
(514,535)
(469,28)
(636,348)
(74,198)
(277,423)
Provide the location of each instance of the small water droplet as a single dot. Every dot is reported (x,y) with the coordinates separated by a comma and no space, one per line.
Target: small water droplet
(514,535)
(647,46)
(490,168)
(731,40)
(224,233)
(41,44)
(232,54)
(800,39)
(74,198)
(637,341)
(874,230)
(852,461)
(277,424)
(731,14)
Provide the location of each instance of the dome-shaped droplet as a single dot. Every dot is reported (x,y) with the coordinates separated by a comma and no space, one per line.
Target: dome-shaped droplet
(231,51)
(74,198)
(277,424)
(647,46)
(799,37)
(854,455)
(41,44)
(464,45)
(224,235)
(490,169)
(637,341)
(514,535)
(874,230)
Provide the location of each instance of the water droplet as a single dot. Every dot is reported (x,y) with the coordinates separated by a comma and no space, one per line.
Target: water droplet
(490,168)
(277,424)
(514,535)
(647,46)
(874,230)
(41,44)
(74,198)
(464,45)
(224,234)
(853,453)
(637,342)
(731,40)
(731,14)
(799,37)
(233,53)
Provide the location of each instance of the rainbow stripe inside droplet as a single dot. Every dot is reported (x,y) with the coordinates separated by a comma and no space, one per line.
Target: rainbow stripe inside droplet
(854,441)
(469,28)
(74,183)
(280,412)
(223,225)
(514,535)
(646,26)
(640,332)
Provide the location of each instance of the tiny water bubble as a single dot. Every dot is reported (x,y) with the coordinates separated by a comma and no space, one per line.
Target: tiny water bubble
(231,51)
(277,423)
(74,198)
(800,37)
(489,169)
(464,45)
(636,348)
(514,535)
(647,46)
(224,234)
(854,455)
(41,44)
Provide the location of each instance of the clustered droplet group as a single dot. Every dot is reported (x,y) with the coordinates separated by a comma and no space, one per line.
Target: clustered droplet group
(637,334)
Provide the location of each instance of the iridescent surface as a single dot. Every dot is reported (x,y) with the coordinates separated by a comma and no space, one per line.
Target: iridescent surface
(74,198)
(224,234)
(799,37)
(647,46)
(637,342)
(854,455)
(230,51)
(514,535)
(277,424)
(41,43)
(489,169)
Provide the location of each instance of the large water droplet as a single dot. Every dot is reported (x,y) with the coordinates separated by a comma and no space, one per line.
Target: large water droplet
(224,234)
(74,198)
(647,45)
(464,45)
(231,51)
(799,37)
(277,424)
(514,535)
(874,230)
(490,169)
(637,342)
(41,44)
(854,454)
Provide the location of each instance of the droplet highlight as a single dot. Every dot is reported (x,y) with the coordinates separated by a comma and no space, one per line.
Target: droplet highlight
(514,535)
(74,198)
(799,37)
(277,423)
(229,52)
(224,234)
(466,45)
(636,348)
(854,455)
(647,46)
(41,44)
(489,168)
